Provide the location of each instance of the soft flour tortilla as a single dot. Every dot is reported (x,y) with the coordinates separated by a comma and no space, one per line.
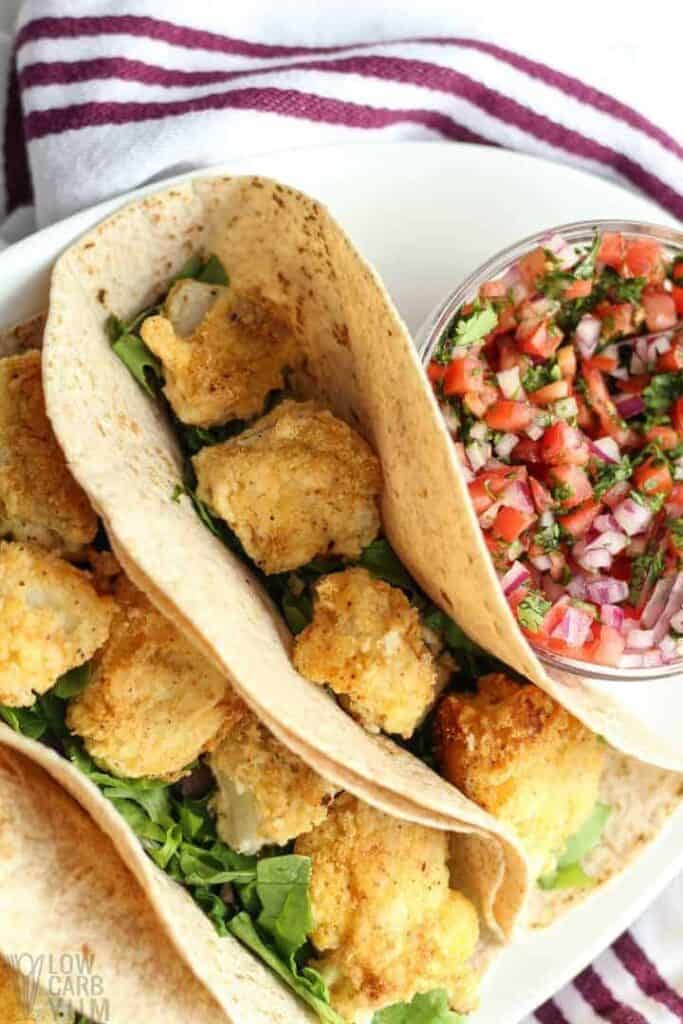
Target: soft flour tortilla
(361,362)
(64,889)
(642,798)
(121,450)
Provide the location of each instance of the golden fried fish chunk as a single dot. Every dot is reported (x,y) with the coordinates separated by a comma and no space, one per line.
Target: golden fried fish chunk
(228,362)
(153,703)
(366,643)
(39,499)
(296,484)
(387,924)
(265,794)
(51,620)
(519,754)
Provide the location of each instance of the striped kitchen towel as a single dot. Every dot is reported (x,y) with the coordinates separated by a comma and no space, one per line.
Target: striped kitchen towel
(100,97)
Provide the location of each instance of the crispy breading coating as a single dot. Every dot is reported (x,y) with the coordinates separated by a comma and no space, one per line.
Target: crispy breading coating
(229,362)
(387,925)
(154,703)
(366,643)
(519,754)
(51,620)
(297,484)
(266,794)
(39,499)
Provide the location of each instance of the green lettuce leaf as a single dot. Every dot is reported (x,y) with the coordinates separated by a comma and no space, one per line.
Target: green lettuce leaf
(429,1008)
(382,563)
(282,887)
(215,866)
(140,361)
(306,982)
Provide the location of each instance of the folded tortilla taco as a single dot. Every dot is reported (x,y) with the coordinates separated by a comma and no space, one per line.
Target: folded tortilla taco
(247,855)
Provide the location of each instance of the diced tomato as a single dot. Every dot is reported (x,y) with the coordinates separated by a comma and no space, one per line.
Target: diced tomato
(586,418)
(578,521)
(507,321)
(526,450)
(671,361)
(616,493)
(612,249)
(537,339)
(634,385)
(509,415)
(480,495)
(558,565)
(542,497)
(677,290)
(660,310)
(653,477)
(510,522)
(562,444)
(463,375)
(508,353)
(493,290)
(602,362)
(617,317)
(553,616)
(621,569)
(578,289)
(603,405)
(606,645)
(644,259)
(477,402)
(532,266)
(566,360)
(677,415)
(435,372)
(665,437)
(550,393)
(574,484)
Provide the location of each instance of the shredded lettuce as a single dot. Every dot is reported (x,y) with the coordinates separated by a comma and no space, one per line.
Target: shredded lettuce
(429,1008)
(143,365)
(569,873)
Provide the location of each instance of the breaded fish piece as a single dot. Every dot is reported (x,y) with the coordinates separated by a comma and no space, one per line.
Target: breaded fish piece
(520,755)
(39,499)
(366,643)
(51,620)
(153,703)
(387,925)
(297,484)
(265,794)
(228,362)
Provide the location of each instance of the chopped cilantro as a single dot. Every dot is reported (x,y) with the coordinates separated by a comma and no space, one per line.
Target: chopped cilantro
(609,474)
(662,392)
(561,492)
(548,538)
(645,568)
(465,330)
(652,501)
(532,610)
(537,376)
(676,532)
(627,289)
(586,267)
(554,283)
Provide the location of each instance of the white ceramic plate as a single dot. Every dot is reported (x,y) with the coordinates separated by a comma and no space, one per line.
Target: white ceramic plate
(426,214)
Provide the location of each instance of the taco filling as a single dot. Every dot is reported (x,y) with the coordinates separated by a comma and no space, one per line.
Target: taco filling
(334,896)
(561,384)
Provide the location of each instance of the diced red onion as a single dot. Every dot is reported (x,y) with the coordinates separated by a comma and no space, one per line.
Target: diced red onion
(658,347)
(637,365)
(618,491)
(587,334)
(512,276)
(517,495)
(574,627)
(486,519)
(479,432)
(677,624)
(612,615)
(577,588)
(514,577)
(619,373)
(610,540)
(642,349)
(651,659)
(599,558)
(640,639)
(546,519)
(605,448)
(478,453)
(632,517)
(607,590)
(630,405)
(562,251)
(541,562)
(509,382)
(535,431)
(629,660)
(658,598)
(464,464)
(668,645)
(505,445)
(606,522)
(672,606)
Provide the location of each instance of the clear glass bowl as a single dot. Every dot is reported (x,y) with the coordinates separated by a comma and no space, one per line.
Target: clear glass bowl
(438,321)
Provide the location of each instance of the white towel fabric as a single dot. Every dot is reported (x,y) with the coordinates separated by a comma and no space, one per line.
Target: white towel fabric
(115,93)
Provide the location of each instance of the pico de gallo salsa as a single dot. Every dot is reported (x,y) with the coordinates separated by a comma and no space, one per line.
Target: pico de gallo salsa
(561,384)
